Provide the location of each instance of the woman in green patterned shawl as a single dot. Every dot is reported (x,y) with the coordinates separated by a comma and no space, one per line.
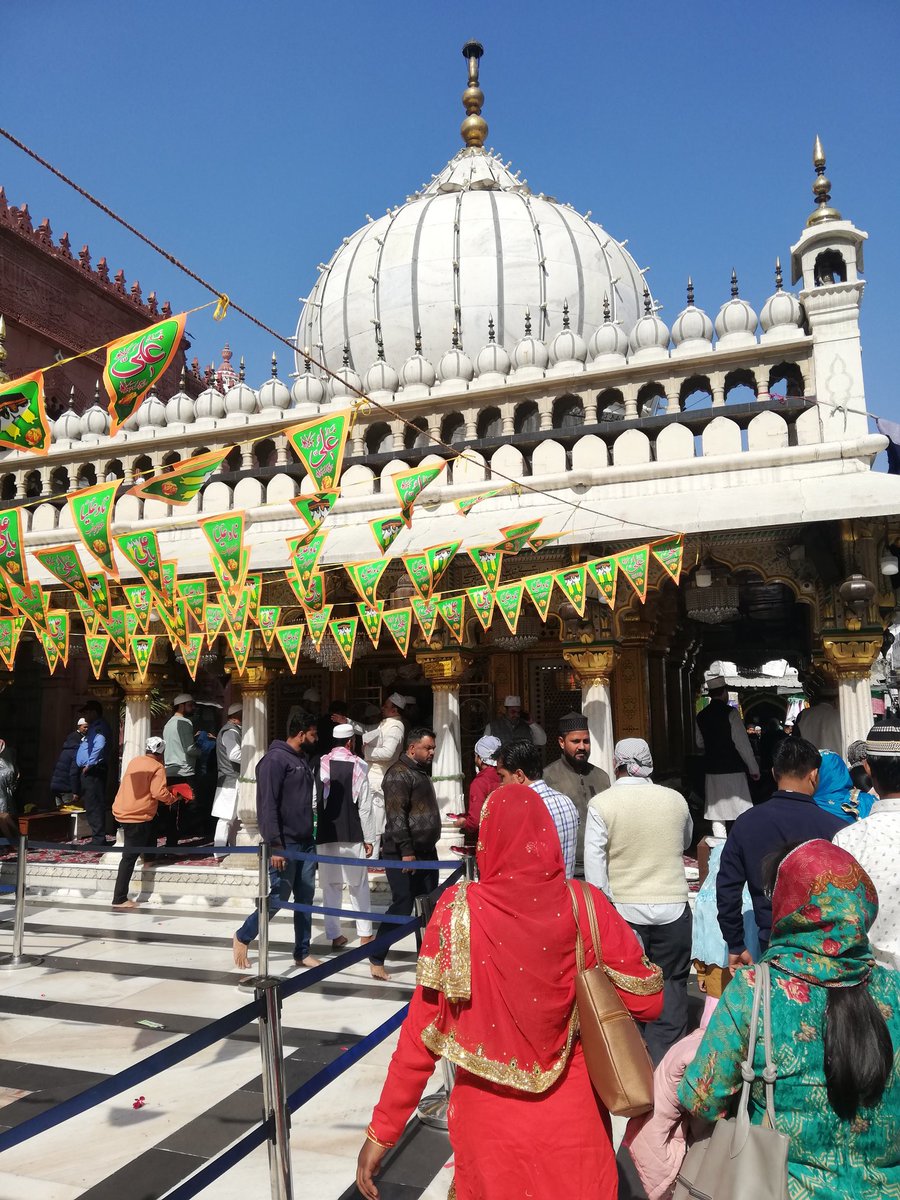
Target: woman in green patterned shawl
(836,1033)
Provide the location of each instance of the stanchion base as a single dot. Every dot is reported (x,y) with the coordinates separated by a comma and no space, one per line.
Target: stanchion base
(9,963)
(432,1110)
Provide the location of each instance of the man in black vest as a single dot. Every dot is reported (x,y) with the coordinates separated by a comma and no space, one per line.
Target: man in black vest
(727,757)
(345,829)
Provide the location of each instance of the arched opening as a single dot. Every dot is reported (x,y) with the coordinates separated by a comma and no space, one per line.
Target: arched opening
(200,450)
(830,268)
(415,436)
(33,485)
(8,488)
(232,461)
(264,453)
(170,459)
(526,418)
(142,469)
(695,392)
(490,423)
(87,475)
(568,412)
(453,430)
(786,379)
(740,387)
(611,405)
(379,439)
(113,470)
(59,482)
(651,400)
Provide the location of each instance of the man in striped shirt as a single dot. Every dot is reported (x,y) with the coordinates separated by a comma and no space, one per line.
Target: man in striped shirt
(520,762)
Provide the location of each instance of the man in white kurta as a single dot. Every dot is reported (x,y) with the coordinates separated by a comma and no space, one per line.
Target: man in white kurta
(382,746)
(728,758)
(345,829)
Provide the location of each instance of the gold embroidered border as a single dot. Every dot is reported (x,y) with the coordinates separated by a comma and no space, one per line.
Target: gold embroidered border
(634,983)
(453,977)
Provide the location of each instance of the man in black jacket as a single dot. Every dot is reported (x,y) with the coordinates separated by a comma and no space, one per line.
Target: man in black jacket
(284,809)
(412,827)
(789,815)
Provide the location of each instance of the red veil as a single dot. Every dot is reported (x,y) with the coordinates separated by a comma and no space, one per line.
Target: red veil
(501,952)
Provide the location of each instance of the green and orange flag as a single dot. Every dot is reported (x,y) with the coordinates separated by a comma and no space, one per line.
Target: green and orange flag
(181,483)
(466,505)
(140,601)
(419,571)
(240,646)
(482,600)
(92,512)
(191,649)
(572,582)
(89,615)
(409,484)
(137,361)
(99,600)
(117,629)
(516,537)
(31,602)
(399,626)
(290,639)
(453,614)
(343,630)
(426,614)
(489,562)
(509,601)
(64,564)
(142,651)
(386,530)
(539,540)
(313,509)
(604,573)
(366,576)
(669,554)
(267,617)
(319,445)
(193,593)
(226,583)
(23,418)
(225,535)
(12,546)
(317,622)
(315,594)
(59,633)
(540,589)
(237,612)
(142,551)
(371,616)
(633,564)
(439,559)
(51,645)
(10,632)
(305,557)
(215,619)
(97,646)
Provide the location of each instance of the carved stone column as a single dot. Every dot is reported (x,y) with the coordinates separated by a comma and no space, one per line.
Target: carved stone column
(593,664)
(444,670)
(631,679)
(254,742)
(137,708)
(850,657)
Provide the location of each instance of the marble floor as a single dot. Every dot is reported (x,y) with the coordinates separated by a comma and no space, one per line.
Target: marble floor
(73,1020)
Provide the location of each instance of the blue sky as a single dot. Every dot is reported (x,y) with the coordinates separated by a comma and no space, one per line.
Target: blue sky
(249,138)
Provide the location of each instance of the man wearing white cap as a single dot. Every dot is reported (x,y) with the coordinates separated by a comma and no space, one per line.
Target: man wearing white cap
(382,747)
(345,829)
(511,726)
(727,758)
(487,779)
(228,771)
(181,755)
(142,789)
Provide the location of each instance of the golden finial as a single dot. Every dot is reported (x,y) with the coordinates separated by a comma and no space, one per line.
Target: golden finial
(474,128)
(821,190)
(4,378)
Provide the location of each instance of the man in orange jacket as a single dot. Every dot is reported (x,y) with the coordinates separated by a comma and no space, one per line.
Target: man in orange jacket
(141,791)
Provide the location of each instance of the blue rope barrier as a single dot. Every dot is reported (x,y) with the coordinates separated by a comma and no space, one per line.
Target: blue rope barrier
(223,1162)
(306,1091)
(420,864)
(339,912)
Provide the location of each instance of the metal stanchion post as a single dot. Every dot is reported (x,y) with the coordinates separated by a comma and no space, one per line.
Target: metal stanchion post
(17,960)
(432,1109)
(262,909)
(469,868)
(276,1112)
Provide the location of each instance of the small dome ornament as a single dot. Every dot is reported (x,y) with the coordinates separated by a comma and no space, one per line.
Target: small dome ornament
(274,394)
(381,376)
(455,369)
(609,344)
(474,129)
(67,426)
(782,313)
(692,330)
(152,413)
(346,382)
(417,371)
(492,363)
(210,403)
(736,321)
(180,407)
(650,336)
(530,355)
(95,421)
(821,190)
(567,349)
(308,388)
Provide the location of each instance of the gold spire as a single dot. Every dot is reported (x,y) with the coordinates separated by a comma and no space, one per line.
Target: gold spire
(474,128)
(821,190)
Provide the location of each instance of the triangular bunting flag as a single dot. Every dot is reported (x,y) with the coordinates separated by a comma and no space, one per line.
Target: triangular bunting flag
(142,551)
(313,509)
(439,559)
(140,601)
(539,540)
(169,572)
(669,555)
(174,617)
(99,598)
(10,632)
(137,361)
(399,626)
(23,418)
(366,576)
(97,646)
(92,513)
(291,576)
(306,557)
(142,651)
(633,564)
(319,445)
(482,600)
(453,614)
(515,537)
(509,601)
(315,594)
(290,639)
(268,617)
(409,484)
(371,617)
(317,623)
(193,593)
(12,546)
(603,571)
(6,603)
(465,506)
(117,629)
(215,619)
(89,615)
(225,535)
(240,646)
(51,650)
(226,583)
(58,623)
(191,649)
(489,562)
(426,614)
(181,483)
(63,563)
(572,583)
(236,614)
(31,601)
(386,530)
(343,630)
(540,589)
(419,572)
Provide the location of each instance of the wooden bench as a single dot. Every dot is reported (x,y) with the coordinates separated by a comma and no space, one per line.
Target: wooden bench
(47,826)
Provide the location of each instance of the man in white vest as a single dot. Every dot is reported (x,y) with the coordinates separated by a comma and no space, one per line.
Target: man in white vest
(635,838)
(382,746)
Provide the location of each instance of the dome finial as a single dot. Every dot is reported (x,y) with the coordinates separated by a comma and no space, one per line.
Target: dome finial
(346,356)
(690,292)
(274,365)
(528,322)
(491,332)
(379,342)
(418,341)
(474,128)
(565,314)
(734,284)
(821,189)
(606,310)
(454,337)
(779,279)
(242,372)
(648,303)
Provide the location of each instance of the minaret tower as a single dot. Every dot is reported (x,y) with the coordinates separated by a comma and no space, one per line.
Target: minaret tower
(828,258)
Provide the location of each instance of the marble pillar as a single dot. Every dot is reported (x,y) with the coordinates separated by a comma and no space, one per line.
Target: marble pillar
(444,669)
(593,665)
(136,689)
(254,742)
(850,656)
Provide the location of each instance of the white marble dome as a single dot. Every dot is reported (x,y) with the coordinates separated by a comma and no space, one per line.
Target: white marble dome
(417,371)
(650,333)
(610,342)
(307,389)
(345,382)
(567,346)
(492,358)
(96,420)
(782,310)
(474,241)
(179,409)
(274,394)
(151,414)
(240,398)
(67,426)
(736,319)
(529,351)
(692,326)
(455,367)
(210,403)
(380,377)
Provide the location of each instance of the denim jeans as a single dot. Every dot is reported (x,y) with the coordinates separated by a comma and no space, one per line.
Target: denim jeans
(299,878)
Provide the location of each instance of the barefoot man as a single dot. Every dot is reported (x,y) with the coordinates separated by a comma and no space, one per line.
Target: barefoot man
(285,788)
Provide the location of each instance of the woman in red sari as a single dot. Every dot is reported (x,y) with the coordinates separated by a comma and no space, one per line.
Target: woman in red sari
(496,996)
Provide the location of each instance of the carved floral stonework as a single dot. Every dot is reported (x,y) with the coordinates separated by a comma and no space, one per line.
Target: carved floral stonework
(591,663)
(851,656)
(133,684)
(444,670)
(256,676)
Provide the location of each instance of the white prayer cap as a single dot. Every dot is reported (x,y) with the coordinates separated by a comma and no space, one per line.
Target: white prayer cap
(311,695)
(340,733)
(182,698)
(397,700)
(634,755)
(155,745)
(486,748)
(512,702)
(235,708)
(714,682)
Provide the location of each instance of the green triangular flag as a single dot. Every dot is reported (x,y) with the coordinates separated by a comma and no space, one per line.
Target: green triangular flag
(540,589)
(572,583)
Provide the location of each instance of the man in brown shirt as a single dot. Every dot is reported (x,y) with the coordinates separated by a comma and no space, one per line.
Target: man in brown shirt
(141,791)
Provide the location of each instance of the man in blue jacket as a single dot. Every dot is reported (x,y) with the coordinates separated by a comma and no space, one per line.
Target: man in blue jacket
(790,815)
(92,762)
(285,789)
